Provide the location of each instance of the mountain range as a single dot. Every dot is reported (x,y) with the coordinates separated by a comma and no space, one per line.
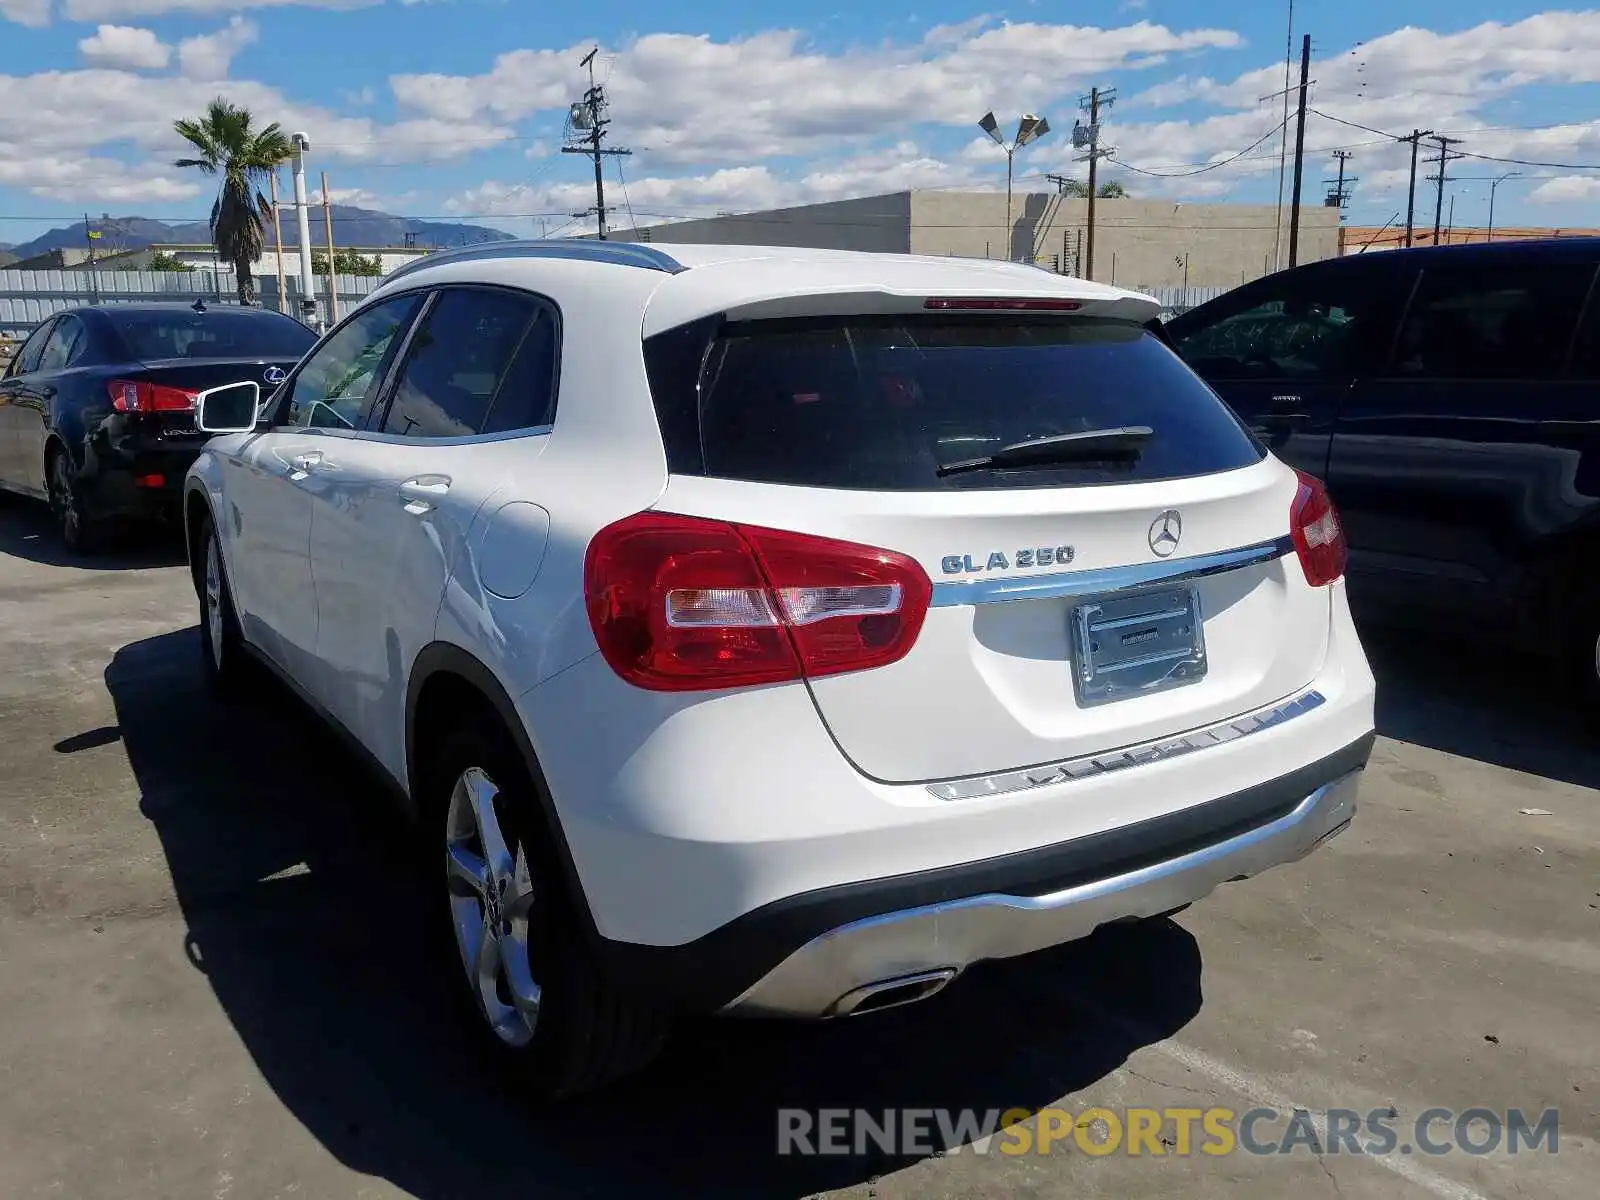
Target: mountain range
(352,227)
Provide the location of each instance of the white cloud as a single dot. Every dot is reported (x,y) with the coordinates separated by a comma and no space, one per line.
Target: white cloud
(209,55)
(126,46)
(34,13)
(773,95)
(102,10)
(1567,189)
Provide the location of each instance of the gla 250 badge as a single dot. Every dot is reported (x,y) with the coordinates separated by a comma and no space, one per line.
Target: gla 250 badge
(998,560)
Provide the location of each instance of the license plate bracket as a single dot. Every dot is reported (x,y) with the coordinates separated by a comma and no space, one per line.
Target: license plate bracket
(1136,643)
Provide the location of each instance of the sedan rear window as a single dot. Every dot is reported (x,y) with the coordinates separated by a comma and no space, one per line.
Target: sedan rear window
(892,403)
(216,333)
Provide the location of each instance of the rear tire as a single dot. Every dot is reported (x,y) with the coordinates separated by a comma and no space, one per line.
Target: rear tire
(222,653)
(78,532)
(510,936)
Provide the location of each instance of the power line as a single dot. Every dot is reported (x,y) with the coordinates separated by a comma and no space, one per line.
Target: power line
(1232,158)
(1516,162)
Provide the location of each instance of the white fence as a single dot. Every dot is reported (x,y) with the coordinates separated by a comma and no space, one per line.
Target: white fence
(28,297)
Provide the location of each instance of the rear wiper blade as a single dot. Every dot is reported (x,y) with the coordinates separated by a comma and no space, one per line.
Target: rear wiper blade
(1091,445)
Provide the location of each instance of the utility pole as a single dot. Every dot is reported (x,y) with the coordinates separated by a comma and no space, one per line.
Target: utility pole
(1411,193)
(327,228)
(1087,138)
(277,238)
(586,129)
(1338,198)
(1299,150)
(1440,179)
(302,220)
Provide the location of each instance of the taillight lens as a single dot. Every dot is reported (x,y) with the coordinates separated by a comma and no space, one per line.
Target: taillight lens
(140,395)
(1318,536)
(686,604)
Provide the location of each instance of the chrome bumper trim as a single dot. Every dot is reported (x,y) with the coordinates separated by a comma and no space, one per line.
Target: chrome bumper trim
(951,593)
(958,933)
(1046,774)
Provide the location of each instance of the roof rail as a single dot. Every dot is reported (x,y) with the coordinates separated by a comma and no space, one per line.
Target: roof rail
(622,254)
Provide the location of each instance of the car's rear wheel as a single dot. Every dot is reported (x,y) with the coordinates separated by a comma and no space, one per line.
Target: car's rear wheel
(534,991)
(80,533)
(222,655)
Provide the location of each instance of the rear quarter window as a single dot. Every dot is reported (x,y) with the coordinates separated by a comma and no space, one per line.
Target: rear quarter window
(882,403)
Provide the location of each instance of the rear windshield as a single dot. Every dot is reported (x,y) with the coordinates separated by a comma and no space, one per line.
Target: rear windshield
(884,403)
(217,333)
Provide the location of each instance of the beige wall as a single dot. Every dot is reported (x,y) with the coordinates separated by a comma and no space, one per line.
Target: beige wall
(878,223)
(1138,243)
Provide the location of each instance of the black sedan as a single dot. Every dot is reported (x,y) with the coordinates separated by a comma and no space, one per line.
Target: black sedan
(97,410)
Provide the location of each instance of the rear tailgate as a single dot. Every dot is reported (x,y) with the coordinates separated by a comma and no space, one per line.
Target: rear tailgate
(1047,638)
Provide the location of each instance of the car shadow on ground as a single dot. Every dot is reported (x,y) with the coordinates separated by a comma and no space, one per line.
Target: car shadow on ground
(304,907)
(27,531)
(1481,702)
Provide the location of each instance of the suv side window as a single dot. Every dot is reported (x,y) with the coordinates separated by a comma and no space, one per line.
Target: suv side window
(1306,328)
(27,359)
(333,386)
(1491,322)
(62,346)
(482,361)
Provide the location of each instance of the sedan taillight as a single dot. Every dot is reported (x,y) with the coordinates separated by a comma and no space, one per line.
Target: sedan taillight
(142,396)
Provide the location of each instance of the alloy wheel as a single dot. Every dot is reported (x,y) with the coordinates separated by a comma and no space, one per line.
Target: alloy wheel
(63,498)
(214,629)
(491,897)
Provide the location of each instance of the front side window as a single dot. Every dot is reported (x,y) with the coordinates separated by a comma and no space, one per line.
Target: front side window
(1305,329)
(895,403)
(1492,322)
(482,361)
(334,385)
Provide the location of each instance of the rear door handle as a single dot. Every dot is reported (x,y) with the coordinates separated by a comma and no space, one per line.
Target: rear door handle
(419,494)
(309,461)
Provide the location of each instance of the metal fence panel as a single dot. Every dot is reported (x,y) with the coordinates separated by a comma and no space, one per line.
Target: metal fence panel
(28,297)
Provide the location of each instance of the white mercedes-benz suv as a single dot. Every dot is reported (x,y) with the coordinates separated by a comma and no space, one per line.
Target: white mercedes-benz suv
(779,632)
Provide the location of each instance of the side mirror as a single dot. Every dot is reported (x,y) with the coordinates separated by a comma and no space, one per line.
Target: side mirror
(230,408)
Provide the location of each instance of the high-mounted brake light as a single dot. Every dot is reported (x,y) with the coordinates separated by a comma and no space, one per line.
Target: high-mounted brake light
(687,604)
(1318,536)
(129,395)
(1003,303)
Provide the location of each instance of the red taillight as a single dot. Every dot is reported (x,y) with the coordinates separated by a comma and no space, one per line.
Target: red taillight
(1318,536)
(1004,303)
(130,395)
(685,604)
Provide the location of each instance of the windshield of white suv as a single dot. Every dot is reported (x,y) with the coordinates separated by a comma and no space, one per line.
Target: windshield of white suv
(892,403)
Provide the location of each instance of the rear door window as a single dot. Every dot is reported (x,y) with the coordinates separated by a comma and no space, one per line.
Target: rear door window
(884,403)
(482,361)
(27,360)
(1491,322)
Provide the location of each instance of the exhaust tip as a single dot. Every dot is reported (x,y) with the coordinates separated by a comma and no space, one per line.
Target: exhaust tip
(891,993)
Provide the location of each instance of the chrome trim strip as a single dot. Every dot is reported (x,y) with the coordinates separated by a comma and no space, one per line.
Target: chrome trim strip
(950,593)
(977,786)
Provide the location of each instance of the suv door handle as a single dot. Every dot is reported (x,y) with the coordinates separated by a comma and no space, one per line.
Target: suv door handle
(308,461)
(417,494)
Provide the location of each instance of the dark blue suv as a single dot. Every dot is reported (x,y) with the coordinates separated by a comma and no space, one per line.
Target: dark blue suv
(1450,397)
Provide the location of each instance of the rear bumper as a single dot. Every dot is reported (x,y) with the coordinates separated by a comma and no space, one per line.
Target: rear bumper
(816,955)
(139,478)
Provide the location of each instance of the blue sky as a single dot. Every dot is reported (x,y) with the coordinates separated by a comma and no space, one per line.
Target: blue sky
(454,108)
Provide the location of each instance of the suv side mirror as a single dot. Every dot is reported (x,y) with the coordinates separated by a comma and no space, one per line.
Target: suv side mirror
(230,408)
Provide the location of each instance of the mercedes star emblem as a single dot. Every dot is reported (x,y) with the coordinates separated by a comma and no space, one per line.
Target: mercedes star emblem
(1165,531)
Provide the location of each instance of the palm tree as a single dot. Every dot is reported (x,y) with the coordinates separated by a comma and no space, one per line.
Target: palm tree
(243,156)
(1111,190)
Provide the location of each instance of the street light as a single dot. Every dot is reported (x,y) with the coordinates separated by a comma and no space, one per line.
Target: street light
(1489,235)
(1029,129)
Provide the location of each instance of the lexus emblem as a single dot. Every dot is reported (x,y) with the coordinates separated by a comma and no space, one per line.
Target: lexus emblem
(274,375)
(1165,531)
